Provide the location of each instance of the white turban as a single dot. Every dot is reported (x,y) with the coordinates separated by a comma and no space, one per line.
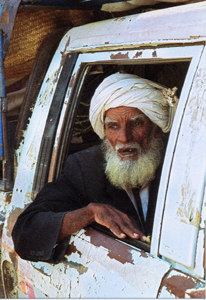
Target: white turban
(154,100)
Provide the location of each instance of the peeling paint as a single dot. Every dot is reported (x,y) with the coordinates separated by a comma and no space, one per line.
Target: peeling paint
(180,284)
(72,249)
(187,211)
(177,285)
(122,254)
(63,53)
(44,268)
(197,104)
(80,268)
(105,264)
(12,220)
(120,55)
(144,254)
(200,294)
(72,80)
(137,54)
(48,92)
(154,54)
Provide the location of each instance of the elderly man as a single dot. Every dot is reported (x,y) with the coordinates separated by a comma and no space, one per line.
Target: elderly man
(115,184)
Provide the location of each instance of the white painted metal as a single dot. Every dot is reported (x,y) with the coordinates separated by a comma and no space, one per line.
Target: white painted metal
(187,180)
(182,24)
(90,272)
(104,276)
(196,54)
(28,151)
(199,269)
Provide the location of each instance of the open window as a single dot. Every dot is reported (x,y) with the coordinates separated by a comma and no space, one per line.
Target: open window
(168,66)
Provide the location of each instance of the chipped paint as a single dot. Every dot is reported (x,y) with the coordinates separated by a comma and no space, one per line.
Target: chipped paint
(71,83)
(44,268)
(144,254)
(63,52)
(154,54)
(12,219)
(200,294)
(97,265)
(180,285)
(121,254)
(177,285)
(160,27)
(137,54)
(105,272)
(79,267)
(10,280)
(188,213)
(120,55)
(196,103)
(72,249)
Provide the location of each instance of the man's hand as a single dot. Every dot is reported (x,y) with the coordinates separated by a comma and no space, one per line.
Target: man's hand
(118,222)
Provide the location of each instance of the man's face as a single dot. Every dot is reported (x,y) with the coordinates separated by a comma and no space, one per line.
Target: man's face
(126,129)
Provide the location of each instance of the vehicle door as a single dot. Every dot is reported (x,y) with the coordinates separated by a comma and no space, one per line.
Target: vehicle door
(96,264)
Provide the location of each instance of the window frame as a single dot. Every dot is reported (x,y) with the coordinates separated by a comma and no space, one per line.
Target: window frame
(152,55)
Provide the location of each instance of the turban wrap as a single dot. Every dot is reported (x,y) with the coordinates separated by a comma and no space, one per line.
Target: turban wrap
(120,89)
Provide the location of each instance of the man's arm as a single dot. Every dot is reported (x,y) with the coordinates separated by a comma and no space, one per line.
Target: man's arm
(119,223)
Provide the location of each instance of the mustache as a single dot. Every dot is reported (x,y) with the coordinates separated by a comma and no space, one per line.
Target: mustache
(121,146)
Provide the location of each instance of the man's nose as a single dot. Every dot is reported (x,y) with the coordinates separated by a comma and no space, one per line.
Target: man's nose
(124,135)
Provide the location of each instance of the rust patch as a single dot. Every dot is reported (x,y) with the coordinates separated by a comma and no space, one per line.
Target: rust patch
(197,294)
(63,52)
(177,285)
(71,83)
(116,250)
(12,220)
(73,249)
(201,294)
(79,267)
(138,54)
(143,254)
(120,55)
(8,198)
(154,54)
(67,44)
(118,257)
(13,257)
(10,280)
(120,19)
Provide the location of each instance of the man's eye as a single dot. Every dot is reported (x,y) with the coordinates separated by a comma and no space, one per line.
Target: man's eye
(112,126)
(135,124)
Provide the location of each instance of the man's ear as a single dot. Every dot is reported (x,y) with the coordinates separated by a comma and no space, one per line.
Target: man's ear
(158,133)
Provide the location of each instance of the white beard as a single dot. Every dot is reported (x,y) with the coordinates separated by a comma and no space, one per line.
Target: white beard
(136,173)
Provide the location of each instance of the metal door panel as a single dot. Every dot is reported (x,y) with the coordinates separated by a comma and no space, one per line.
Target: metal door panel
(187,180)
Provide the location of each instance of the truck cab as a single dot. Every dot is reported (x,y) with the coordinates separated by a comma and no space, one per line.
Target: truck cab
(166,46)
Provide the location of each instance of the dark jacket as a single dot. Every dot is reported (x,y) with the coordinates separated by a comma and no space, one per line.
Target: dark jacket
(83,181)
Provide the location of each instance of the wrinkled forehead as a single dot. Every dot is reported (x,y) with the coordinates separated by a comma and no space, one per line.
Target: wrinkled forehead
(123,112)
